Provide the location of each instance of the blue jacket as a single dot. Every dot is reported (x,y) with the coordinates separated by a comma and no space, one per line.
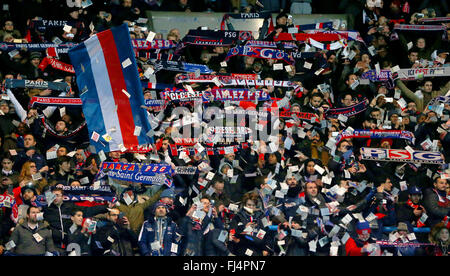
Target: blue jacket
(149,233)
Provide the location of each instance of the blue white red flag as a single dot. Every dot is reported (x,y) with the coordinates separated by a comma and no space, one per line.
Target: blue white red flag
(111,91)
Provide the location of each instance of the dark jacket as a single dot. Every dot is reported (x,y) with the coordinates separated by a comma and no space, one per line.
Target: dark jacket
(194,234)
(112,239)
(79,242)
(436,210)
(59,219)
(149,232)
(26,244)
(214,247)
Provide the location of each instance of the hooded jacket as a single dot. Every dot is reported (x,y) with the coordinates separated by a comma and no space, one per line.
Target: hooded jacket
(26,244)
(112,239)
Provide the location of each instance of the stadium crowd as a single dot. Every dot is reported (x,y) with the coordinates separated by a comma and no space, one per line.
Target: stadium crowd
(358,164)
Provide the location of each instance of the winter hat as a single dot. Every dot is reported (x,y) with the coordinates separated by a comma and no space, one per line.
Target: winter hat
(402,227)
(28,187)
(168,193)
(413,190)
(158,204)
(34,55)
(363,228)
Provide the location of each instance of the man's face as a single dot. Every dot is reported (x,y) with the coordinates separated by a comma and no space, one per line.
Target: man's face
(59,197)
(343,147)
(291,182)
(347,100)
(206,205)
(230,156)
(7,164)
(79,156)
(388,185)
(127,3)
(4,108)
(33,213)
(441,184)
(219,50)
(376,115)
(29,141)
(167,200)
(364,236)
(62,151)
(413,56)
(428,87)
(35,62)
(421,43)
(316,101)
(160,211)
(61,126)
(310,168)
(28,195)
(113,215)
(351,79)
(415,198)
(296,108)
(9,26)
(311,189)
(218,187)
(272,159)
(282,20)
(77,219)
(65,166)
(147,96)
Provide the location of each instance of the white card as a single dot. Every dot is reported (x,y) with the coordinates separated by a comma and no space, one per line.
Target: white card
(307,65)
(126,63)
(155,246)
(151,36)
(37,237)
(137,130)
(67,28)
(51,155)
(174,248)
(278,66)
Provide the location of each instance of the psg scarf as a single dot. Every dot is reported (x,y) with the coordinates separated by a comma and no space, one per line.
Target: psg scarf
(41,200)
(179,66)
(271,44)
(316,26)
(376,134)
(262,15)
(205,41)
(304,37)
(158,56)
(143,44)
(258,52)
(151,174)
(54,101)
(415,206)
(57,86)
(56,64)
(217,95)
(221,34)
(347,111)
(405,27)
(62,48)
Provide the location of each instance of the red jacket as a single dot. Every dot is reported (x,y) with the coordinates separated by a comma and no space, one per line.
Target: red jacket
(352,249)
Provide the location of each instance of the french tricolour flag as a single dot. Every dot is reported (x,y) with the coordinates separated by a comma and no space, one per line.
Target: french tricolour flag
(110,89)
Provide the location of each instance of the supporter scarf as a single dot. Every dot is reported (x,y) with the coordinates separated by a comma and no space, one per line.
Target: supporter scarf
(157,86)
(153,103)
(104,190)
(140,149)
(217,95)
(261,15)
(217,34)
(179,66)
(376,134)
(348,35)
(316,26)
(175,150)
(402,155)
(271,44)
(405,27)
(332,46)
(303,55)
(415,206)
(205,41)
(7,201)
(143,44)
(185,170)
(305,37)
(54,101)
(398,244)
(407,74)
(347,111)
(151,174)
(42,202)
(42,25)
(435,19)
(185,141)
(51,130)
(62,48)
(300,115)
(440,99)
(258,52)
(56,64)
(443,201)
(158,56)
(57,86)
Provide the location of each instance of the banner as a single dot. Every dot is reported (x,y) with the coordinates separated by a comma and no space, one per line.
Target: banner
(62,48)
(152,174)
(41,201)
(347,111)
(56,64)
(406,27)
(111,90)
(258,52)
(304,37)
(57,86)
(376,134)
(217,95)
(402,155)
